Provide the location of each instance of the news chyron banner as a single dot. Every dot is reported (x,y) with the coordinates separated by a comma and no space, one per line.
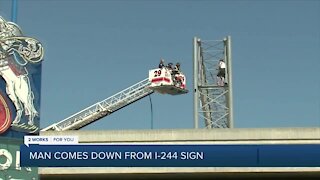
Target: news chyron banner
(66,151)
(20,85)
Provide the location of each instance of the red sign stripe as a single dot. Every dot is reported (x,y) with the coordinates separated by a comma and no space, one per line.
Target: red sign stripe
(160,79)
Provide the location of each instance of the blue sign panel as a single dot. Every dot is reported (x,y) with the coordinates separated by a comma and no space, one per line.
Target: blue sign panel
(259,155)
(20,81)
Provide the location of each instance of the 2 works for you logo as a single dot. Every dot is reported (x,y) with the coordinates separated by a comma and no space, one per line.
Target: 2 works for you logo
(50,140)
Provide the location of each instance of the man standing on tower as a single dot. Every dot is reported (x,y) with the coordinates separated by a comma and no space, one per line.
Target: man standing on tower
(221,73)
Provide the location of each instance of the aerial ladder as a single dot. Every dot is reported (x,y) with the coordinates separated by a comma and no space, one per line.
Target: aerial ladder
(160,80)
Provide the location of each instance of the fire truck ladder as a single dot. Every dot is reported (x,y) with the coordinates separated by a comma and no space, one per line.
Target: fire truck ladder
(103,108)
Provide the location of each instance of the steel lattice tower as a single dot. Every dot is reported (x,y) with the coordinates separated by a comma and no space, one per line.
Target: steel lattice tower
(212,103)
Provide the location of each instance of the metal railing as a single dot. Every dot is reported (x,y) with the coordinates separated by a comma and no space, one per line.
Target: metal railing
(103,108)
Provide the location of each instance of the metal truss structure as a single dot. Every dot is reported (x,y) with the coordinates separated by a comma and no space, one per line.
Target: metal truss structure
(103,108)
(212,102)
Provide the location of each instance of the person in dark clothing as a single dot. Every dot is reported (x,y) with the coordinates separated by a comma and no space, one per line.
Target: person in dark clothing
(175,73)
(161,64)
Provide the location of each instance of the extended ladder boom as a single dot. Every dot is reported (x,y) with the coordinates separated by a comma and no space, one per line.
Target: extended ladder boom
(103,108)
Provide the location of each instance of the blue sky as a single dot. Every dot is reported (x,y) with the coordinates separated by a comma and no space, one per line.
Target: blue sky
(96,48)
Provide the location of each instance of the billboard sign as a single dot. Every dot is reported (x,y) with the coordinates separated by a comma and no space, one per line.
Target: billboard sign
(20,81)
(10,162)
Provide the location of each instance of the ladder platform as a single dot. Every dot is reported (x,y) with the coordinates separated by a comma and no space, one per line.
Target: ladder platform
(164,81)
